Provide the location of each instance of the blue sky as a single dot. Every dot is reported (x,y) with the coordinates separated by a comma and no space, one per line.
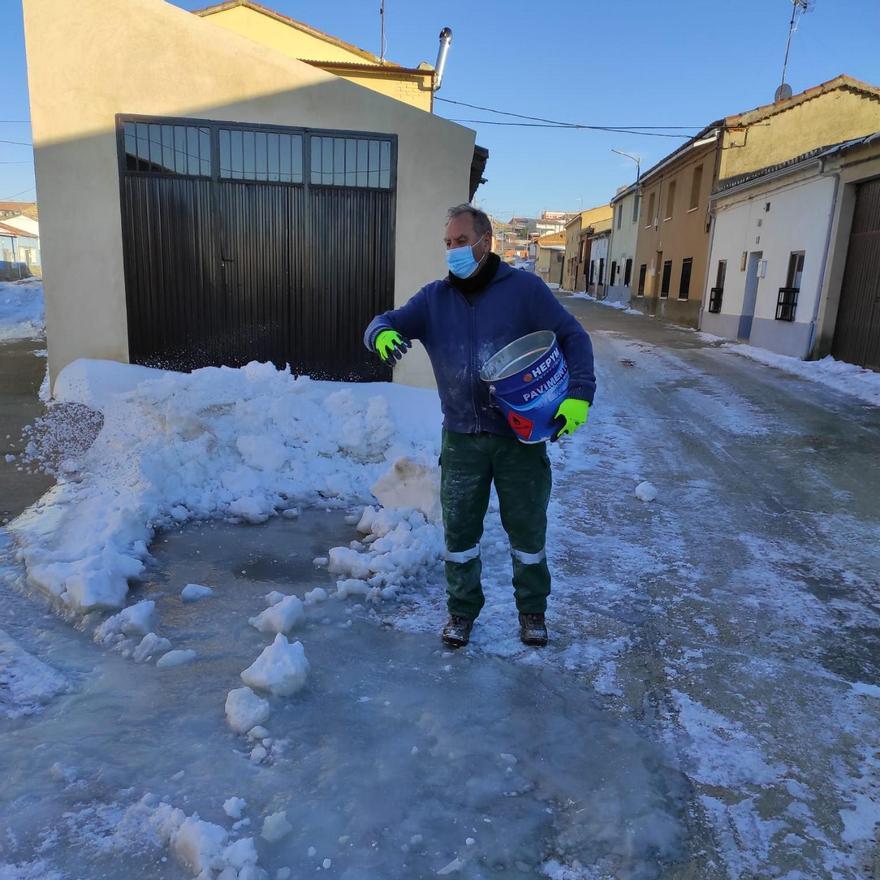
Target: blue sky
(617,63)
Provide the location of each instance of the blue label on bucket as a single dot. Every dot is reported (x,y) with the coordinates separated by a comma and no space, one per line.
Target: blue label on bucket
(530,397)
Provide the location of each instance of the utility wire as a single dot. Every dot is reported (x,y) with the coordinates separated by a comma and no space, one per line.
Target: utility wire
(19,143)
(21,193)
(569,127)
(557,122)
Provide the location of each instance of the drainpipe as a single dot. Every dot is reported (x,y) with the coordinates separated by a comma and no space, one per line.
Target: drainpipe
(815,322)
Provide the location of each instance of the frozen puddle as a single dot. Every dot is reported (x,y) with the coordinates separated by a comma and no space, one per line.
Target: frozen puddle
(397,760)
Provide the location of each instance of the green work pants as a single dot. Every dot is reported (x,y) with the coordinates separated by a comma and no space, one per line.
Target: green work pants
(469,463)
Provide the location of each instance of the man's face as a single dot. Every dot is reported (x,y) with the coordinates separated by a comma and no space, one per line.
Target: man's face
(460,232)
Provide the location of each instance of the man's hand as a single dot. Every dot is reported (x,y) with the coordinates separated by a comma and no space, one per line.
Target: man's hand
(572,413)
(391,346)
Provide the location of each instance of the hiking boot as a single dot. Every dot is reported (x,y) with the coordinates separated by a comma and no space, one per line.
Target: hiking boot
(533,630)
(457,632)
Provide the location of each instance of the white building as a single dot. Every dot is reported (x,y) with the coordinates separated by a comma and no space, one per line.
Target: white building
(622,250)
(795,255)
(597,273)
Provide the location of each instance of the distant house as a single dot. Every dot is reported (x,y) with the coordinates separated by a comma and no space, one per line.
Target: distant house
(673,241)
(795,259)
(622,249)
(19,247)
(597,280)
(550,258)
(218,200)
(14,209)
(577,245)
(412,85)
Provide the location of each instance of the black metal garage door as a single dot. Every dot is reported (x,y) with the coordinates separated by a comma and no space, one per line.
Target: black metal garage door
(255,243)
(857,332)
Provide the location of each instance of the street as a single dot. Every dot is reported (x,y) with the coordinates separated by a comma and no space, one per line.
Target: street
(708,706)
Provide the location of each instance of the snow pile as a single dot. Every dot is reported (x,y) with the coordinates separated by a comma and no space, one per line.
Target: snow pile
(410,484)
(149,645)
(21,310)
(281,668)
(839,375)
(244,443)
(280,617)
(400,544)
(245,710)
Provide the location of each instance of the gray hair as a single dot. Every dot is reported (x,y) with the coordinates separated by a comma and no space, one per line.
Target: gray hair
(482,223)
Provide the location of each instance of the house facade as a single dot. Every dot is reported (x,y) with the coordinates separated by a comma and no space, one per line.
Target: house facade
(599,267)
(795,257)
(550,258)
(672,247)
(624,237)
(196,138)
(298,40)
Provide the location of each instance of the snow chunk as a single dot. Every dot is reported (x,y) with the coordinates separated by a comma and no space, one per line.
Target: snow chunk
(280,617)
(646,491)
(176,658)
(149,645)
(280,669)
(244,709)
(274,597)
(199,844)
(313,597)
(234,807)
(135,620)
(194,592)
(351,587)
(410,484)
(275,827)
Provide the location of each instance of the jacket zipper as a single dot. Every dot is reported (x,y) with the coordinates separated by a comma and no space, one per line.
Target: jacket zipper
(472,354)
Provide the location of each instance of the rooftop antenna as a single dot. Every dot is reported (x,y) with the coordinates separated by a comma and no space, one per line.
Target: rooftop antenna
(382,31)
(798,8)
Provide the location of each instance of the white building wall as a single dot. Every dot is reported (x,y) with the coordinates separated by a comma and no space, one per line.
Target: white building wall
(623,247)
(798,219)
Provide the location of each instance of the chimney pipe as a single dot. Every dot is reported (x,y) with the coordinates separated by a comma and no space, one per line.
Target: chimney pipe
(445,40)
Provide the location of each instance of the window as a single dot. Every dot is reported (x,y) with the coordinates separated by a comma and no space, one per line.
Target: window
(786,304)
(651,206)
(167,149)
(355,162)
(628,271)
(695,187)
(667,275)
(601,269)
(619,209)
(636,202)
(613,271)
(592,270)
(716,294)
(260,155)
(643,270)
(670,201)
(684,285)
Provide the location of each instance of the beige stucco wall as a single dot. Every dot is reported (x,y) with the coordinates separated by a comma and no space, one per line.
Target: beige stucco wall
(90,60)
(829,118)
(684,234)
(291,41)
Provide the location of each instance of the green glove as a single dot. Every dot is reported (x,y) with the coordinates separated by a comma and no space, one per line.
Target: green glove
(391,346)
(574,413)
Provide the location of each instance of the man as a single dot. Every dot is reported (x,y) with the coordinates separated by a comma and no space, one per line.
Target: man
(462,320)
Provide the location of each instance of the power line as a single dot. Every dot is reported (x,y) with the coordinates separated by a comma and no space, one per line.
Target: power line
(15,122)
(570,127)
(23,162)
(10,198)
(556,122)
(19,143)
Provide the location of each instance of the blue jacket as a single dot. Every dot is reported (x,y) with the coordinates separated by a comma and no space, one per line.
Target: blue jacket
(460,337)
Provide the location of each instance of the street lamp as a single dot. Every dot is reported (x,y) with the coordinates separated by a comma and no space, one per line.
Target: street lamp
(635,159)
